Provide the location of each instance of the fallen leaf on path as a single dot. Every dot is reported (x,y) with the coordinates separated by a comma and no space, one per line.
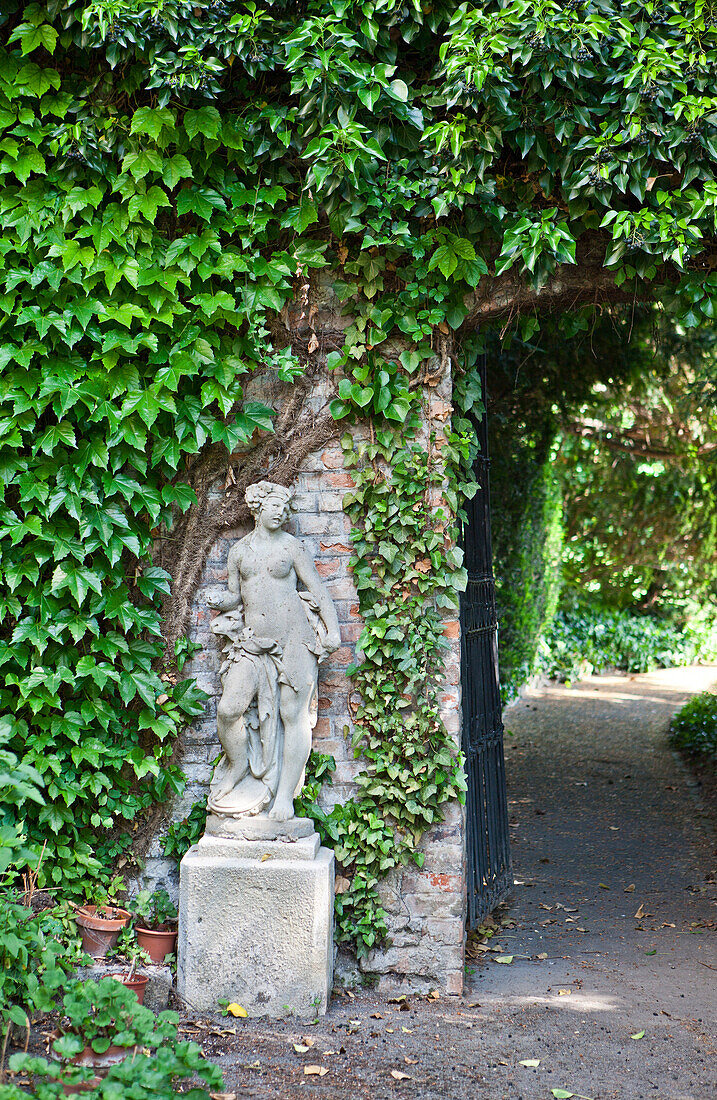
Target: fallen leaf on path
(267,855)
(638,1035)
(397,1000)
(237,1010)
(434,995)
(309,1040)
(640,913)
(376,1016)
(542,955)
(531,1063)
(399,1075)
(390,1030)
(315,1071)
(564,992)
(504,958)
(603,886)
(300,1048)
(630,889)
(410,1061)
(653,952)
(615,828)
(407,1030)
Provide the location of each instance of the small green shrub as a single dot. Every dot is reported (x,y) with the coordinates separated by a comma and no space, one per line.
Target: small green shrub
(181,835)
(590,640)
(35,955)
(694,728)
(154,909)
(103,1014)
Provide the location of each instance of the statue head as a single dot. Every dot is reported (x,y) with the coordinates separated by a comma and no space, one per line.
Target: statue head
(270,504)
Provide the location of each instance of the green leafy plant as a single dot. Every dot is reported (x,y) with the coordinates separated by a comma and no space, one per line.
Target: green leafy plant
(128,950)
(693,730)
(103,1014)
(154,910)
(596,639)
(182,835)
(35,957)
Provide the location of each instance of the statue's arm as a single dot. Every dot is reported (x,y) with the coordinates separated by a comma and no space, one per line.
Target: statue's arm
(230,597)
(309,577)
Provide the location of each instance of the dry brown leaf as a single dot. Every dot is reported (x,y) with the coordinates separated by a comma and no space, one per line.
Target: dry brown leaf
(399,1075)
(434,995)
(410,1061)
(423,565)
(315,1071)
(300,1048)
(564,992)
(341,886)
(313,343)
(343,253)
(630,889)
(640,912)
(308,1040)
(267,855)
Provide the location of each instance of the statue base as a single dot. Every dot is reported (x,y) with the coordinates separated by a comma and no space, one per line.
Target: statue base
(256,924)
(260,827)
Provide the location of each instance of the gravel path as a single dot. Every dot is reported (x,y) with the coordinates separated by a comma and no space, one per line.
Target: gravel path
(613,979)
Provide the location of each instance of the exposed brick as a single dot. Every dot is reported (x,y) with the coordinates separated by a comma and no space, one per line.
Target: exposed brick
(425,907)
(328,567)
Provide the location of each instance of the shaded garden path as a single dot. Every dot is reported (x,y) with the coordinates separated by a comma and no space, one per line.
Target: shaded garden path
(604,826)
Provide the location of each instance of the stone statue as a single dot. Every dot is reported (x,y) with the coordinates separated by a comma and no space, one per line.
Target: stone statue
(275,638)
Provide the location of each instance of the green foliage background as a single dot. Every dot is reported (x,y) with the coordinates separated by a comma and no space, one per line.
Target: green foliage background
(170,173)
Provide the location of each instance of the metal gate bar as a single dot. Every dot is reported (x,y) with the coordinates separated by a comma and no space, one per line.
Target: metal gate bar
(487,838)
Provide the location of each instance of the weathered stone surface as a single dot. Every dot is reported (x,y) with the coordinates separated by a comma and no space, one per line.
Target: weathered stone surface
(256,931)
(275,636)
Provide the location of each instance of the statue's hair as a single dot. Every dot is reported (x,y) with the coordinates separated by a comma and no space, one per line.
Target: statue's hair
(260,491)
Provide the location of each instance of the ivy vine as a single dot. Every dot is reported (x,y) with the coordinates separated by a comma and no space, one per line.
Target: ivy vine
(172,175)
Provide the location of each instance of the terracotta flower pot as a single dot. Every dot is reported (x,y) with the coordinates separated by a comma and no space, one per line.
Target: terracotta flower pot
(89,1057)
(100,932)
(157,944)
(138,982)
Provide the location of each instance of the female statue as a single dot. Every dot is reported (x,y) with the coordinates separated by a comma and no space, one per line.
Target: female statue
(276,636)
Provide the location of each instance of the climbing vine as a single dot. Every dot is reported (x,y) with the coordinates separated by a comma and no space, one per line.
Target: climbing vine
(173,178)
(408,573)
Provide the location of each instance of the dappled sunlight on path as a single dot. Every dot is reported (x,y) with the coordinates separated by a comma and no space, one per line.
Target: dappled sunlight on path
(615,894)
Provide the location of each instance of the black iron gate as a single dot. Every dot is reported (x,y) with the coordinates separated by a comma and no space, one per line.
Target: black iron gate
(488,844)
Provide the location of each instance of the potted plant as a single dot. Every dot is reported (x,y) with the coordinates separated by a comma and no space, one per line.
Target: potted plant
(100,923)
(129,952)
(155,1064)
(104,1033)
(155,923)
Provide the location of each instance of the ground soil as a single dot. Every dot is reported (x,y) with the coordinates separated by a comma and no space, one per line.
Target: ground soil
(605,825)
(611,931)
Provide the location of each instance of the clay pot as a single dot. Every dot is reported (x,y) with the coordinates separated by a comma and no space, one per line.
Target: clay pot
(157,944)
(138,982)
(89,1057)
(100,932)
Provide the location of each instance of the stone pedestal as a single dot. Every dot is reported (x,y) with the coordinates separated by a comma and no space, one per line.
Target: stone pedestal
(256,925)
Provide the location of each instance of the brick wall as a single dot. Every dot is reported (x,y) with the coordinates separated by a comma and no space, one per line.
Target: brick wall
(426,908)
